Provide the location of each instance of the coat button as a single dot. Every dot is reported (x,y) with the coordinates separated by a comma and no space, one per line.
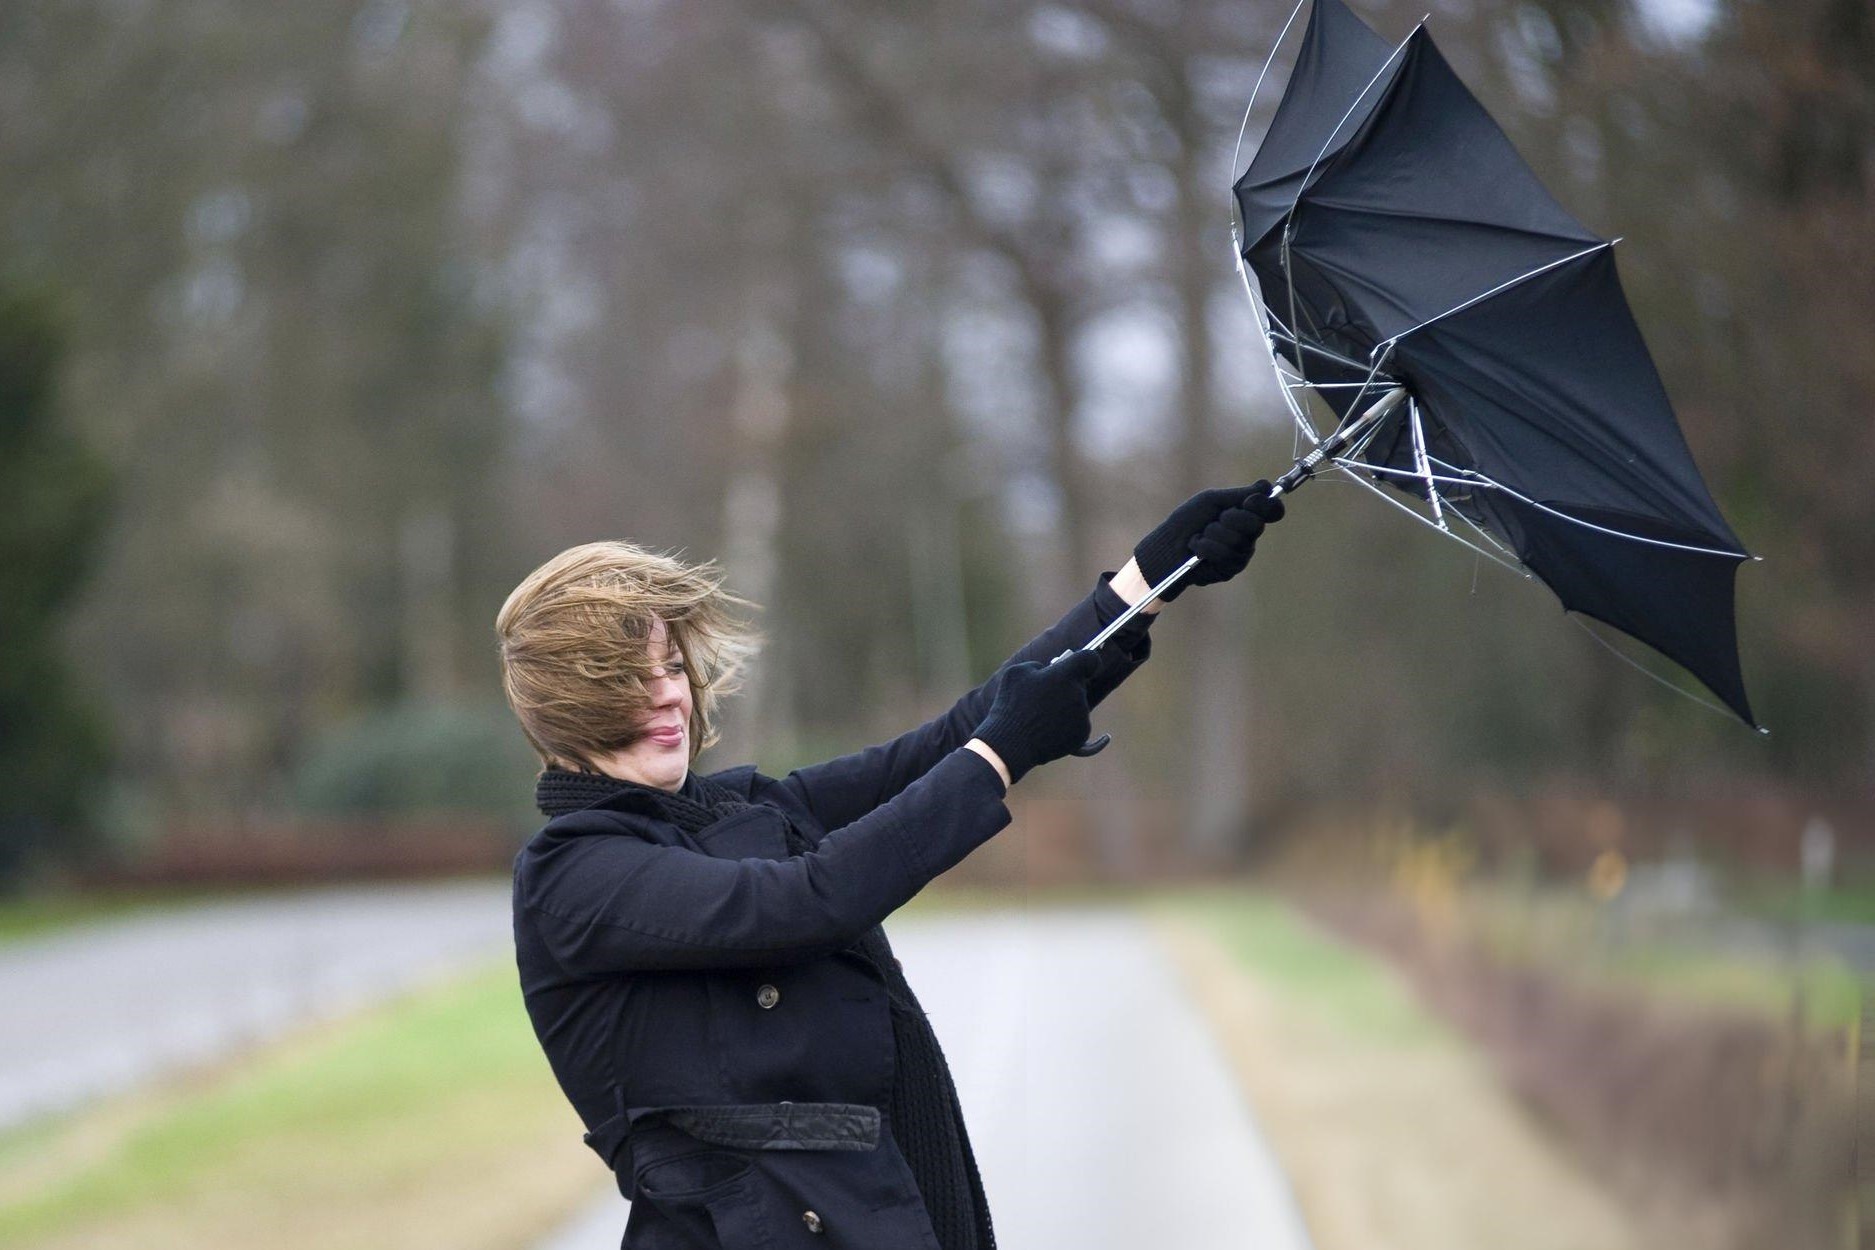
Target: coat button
(812,1221)
(767,997)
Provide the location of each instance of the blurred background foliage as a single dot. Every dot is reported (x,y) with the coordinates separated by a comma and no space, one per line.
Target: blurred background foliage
(53,737)
(914,317)
(417,758)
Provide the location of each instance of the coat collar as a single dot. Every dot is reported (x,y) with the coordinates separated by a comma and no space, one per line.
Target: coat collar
(738,829)
(558,791)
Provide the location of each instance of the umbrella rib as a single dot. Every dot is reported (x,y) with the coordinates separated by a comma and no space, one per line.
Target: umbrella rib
(1261,312)
(1289,226)
(1289,277)
(1526,575)
(1424,465)
(1483,532)
(1636,665)
(1326,352)
(1237,153)
(1360,447)
(1302,372)
(1497,290)
(1357,209)
(1257,308)
(1460,539)
(1474,477)
(1301,186)
(1347,462)
(1354,453)
(1301,346)
(1353,404)
(1362,393)
(1290,385)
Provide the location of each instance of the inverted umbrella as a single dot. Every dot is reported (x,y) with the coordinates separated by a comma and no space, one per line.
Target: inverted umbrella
(1474,343)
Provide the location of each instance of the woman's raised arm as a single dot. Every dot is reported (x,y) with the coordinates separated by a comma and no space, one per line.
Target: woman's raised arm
(603,905)
(841,790)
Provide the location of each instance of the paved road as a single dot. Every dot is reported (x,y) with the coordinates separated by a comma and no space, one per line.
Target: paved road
(98,1009)
(1102,1113)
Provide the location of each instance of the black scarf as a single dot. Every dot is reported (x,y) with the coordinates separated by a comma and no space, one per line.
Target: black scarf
(693,806)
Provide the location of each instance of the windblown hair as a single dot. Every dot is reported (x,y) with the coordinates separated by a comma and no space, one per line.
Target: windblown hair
(575,648)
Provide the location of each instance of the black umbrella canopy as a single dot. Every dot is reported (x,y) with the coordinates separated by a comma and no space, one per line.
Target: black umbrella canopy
(1397,238)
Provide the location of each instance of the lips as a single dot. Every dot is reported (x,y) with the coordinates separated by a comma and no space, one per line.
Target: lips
(668,735)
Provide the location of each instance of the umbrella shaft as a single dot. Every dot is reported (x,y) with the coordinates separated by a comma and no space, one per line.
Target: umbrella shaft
(1303,469)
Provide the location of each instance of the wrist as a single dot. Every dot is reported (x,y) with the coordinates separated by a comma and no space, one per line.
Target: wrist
(989,753)
(1131,585)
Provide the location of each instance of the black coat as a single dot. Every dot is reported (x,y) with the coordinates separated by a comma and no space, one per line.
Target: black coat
(732,1062)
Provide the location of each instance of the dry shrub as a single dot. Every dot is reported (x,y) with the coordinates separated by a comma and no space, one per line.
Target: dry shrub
(1682,1110)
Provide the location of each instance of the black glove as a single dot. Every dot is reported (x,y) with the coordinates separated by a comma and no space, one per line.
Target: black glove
(1220,527)
(1040,711)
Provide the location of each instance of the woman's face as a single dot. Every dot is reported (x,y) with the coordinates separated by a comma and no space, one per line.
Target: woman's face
(660,755)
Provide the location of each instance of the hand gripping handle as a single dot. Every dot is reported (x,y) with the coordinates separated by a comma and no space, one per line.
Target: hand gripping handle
(1093,746)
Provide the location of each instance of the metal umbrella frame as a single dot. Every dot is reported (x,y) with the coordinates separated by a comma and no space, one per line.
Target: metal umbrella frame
(1634,464)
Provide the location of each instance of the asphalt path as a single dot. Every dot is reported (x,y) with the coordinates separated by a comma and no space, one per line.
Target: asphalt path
(1101,1111)
(104,1007)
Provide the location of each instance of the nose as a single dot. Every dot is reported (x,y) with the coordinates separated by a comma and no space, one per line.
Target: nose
(667,689)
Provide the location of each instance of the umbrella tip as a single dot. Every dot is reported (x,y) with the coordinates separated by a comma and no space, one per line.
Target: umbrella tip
(1762,731)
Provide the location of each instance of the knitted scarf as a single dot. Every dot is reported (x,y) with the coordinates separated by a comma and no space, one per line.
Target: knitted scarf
(927,1120)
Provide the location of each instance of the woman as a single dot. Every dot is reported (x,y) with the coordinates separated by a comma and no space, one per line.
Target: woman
(701,955)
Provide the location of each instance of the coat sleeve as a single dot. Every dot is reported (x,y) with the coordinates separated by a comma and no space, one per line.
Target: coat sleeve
(841,789)
(605,905)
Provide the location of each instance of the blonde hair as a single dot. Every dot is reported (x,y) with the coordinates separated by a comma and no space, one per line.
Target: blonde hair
(575,647)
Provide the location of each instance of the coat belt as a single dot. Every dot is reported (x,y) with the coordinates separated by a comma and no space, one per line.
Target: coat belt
(741,1126)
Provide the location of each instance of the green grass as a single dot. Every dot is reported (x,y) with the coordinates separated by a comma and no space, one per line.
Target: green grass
(1559,932)
(1353,991)
(351,1110)
(1830,992)
(1848,902)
